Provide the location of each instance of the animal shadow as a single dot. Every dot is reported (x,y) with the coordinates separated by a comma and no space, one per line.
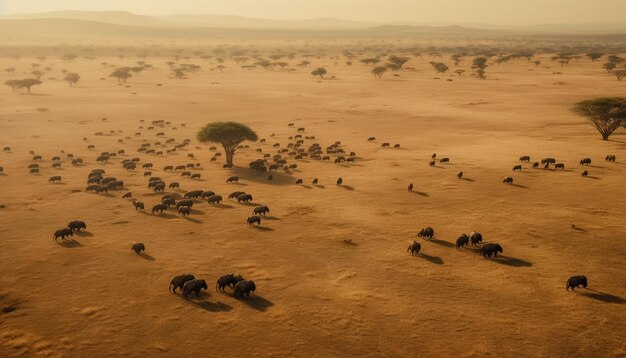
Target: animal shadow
(602,296)
(270,218)
(468,179)
(320,186)
(510,261)
(146,256)
(193,220)
(257,302)
(223,206)
(262,228)
(70,244)
(347,187)
(420,193)
(433,259)
(209,306)
(441,242)
(519,186)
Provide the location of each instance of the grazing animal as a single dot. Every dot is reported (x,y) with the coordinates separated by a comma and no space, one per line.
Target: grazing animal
(184,211)
(179,281)
(34,171)
(610,158)
(244,288)
(410,187)
(138,205)
(444,160)
(371,139)
(507,180)
(76,225)
(340,181)
(414,248)
(55,178)
(536,165)
(385,145)
(559,166)
(63,233)
(487,250)
(138,247)
(299,181)
(244,198)
(396,146)
(548,160)
(524,158)
(315,181)
(206,194)
(261,210)
(517,168)
(159,208)
(168,168)
(254,219)
(215,199)
(233,179)
(433,156)
(188,203)
(230,279)
(235,194)
(475,238)
(102,189)
(431,163)
(575,281)
(462,241)
(174,185)
(426,233)
(585,161)
(193,286)
(1,170)
(127,195)
(168,202)
(459,175)
(585,173)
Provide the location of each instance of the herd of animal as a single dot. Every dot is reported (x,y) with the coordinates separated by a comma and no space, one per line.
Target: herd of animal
(99,183)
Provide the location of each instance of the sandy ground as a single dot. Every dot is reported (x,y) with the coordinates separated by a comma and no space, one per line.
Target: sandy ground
(316,295)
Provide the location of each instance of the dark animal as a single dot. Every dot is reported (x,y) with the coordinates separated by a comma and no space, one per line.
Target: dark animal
(76,225)
(585,161)
(299,181)
(233,179)
(517,168)
(414,248)
(179,281)
(431,163)
(339,181)
(444,160)
(254,219)
(55,178)
(585,173)
(475,238)
(215,199)
(235,194)
(575,281)
(610,158)
(524,158)
(396,146)
(559,166)
(206,194)
(261,210)
(244,288)
(315,181)
(487,250)
(459,175)
(184,210)
(427,232)
(188,203)
(462,241)
(244,198)
(127,195)
(168,202)
(371,139)
(174,185)
(536,165)
(385,145)
(138,247)
(507,180)
(63,233)
(230,279)
(159,208)
(138,205)
(193,286)
(410,187)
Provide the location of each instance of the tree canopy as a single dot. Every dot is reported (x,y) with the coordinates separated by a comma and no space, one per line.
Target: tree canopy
(72,78)
(605,114)
(25,83)
(228,134)
(321,71)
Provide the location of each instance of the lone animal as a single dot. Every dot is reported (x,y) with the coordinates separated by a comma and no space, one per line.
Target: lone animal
(261,210)
(475,238)
(244,288)
(159,208)
(62,233)
(254,219)
(559,166)
(230,279)
(517,168)
(193,286)
(339,181)
(487,250)
(179,281)
(463,240)
(575,281)
(76,225)
(233,179)
(299,181)
(215,199)
(315,181)
(524,158)
(55,178)
(507,180)
(459,175)
(127,195)
(444,160)
(427,232)
(138,247)
(414,248)
(585,161)
(371,139)
(610,158)
(410,187)
(138,205)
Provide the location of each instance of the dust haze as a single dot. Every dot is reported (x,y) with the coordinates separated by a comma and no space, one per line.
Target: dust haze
(312,179)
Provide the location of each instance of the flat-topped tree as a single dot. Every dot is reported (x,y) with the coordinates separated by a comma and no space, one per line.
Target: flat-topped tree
(228,134)
(605,114)
(121,74)
(71,78)
(321,71)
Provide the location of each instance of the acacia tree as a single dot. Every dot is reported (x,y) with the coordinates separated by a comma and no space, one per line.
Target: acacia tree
(228,134)
(72,78)
(121,74)
(25,83)
(605,114)
(320,71)
(594,56)
(480,63)
(378,71)
(609,66)
(398,61)
(619,74)
(459,72)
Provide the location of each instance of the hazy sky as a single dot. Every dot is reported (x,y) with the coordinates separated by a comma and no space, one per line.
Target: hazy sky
(508,12)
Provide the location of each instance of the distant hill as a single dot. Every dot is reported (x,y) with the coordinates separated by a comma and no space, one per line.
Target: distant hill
(232,21)
(109,17)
